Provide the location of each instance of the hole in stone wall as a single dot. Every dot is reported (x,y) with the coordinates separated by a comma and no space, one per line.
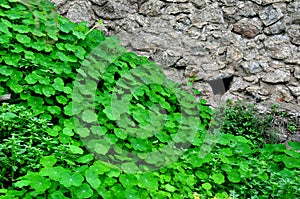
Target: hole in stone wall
(221,85)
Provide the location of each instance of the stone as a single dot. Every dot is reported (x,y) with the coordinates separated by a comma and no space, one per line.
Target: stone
(281,94)
(295,90)
(269,15)
(251,67)
(278,47)
(151,8)
(294,34)
(247,28)
(277,28)
(277,76)
(297,72)
(239,84)
(80,11)
(210,14)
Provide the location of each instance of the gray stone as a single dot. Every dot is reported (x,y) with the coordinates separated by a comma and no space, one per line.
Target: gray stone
(239,84)
(295,90)
(278,47)
(277,28)
(251,67)
(80,11)
(297,72)
(277,76)
(294,34)
(151,8)
(270,15)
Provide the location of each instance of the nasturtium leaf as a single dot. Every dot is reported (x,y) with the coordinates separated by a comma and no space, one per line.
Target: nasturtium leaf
(58,84)
(68,109)
(24,39)
(58,195)
(48,91)
(132,194)
(6,70)
(75,149)
(234,175)
(61,99)
(98,130)
(35,101)
(169,188)
(48,161)
(21,28)
(54,109)
(14,86)
(68,179)
(67,90)
(100,167)
(54,131)
(129,167)
(92,178)
(83,132)
(83,191)
(148,181)
(4,29)
(85,159)
(218,178)
(109,181)
(4,39)
(128,180)
(31,78)
(100,146)
(39,183)
(202,175)
(207,186)
(120,133)
(16,76)
(22,183)
(79,35)
(89,116)
(68,131)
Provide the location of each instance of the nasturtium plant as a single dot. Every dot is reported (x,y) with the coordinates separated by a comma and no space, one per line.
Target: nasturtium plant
(86,119)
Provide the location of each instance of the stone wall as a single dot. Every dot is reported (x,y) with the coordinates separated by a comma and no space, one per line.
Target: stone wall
(242,49)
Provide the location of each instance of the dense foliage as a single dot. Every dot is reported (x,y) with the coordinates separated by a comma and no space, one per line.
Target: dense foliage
(69,86)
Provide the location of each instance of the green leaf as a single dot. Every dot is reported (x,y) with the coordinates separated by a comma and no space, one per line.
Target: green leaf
(6,70)
(31,78)
(58,84)
(61,99)
(58,195)
(92,178)
(68,180)
(76,149)
(85,159)
(68,109)
(294,145)
(54,110)
(89,116)
(52,172)
(24,39)
(291,162)
(234,175)
(120,133)
(35,101)
(39,183)
(48,91)
(83,191)
(128,180)
(48,161)
(132,194)
(148,181)
(169,188)
(207,186)
(218,178)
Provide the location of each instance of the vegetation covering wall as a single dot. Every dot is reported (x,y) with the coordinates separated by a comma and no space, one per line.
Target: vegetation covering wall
(65,132)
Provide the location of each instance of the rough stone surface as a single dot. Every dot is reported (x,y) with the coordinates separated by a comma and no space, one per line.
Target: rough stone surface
(257,42)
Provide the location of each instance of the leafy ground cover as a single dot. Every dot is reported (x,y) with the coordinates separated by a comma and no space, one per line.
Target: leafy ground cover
(67,84)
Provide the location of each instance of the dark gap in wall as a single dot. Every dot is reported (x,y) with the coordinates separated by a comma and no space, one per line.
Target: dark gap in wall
(220,85)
